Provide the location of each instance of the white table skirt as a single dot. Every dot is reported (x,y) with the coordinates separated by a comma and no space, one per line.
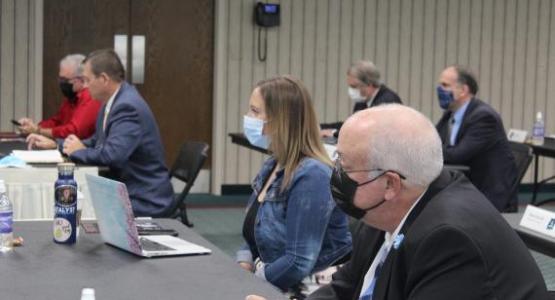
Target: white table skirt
(31,191)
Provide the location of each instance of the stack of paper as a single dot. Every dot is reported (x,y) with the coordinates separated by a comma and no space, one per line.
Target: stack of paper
(39,156)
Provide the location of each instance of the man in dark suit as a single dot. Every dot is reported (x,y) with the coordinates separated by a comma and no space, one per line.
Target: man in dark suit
(365,90)
(473,135)
(126,140)
(423,233)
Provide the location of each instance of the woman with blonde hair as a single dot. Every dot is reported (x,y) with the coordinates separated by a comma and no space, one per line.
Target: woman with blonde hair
(292,227)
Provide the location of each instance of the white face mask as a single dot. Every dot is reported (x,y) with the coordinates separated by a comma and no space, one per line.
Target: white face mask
(355,95)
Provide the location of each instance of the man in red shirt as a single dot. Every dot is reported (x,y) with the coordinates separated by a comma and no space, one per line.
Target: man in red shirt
(78,112)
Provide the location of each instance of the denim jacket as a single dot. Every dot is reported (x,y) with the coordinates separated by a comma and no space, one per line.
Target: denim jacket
(298,231)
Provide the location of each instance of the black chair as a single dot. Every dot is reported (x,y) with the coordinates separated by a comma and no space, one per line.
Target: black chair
(523,157)
(186,168)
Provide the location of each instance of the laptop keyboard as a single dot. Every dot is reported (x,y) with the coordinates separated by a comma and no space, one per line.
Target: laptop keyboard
(149,245)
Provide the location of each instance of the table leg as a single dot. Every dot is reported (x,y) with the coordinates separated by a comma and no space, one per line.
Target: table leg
(535,188)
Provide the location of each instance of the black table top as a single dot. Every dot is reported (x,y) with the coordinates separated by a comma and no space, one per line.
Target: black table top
(547,149)
(41,269)
(6,147)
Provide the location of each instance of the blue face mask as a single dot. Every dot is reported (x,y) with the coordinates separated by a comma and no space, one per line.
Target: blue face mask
(445,97)
(253,127)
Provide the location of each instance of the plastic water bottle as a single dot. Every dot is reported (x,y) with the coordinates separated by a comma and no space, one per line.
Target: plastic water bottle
(538,131)
(6,220)
(87,294)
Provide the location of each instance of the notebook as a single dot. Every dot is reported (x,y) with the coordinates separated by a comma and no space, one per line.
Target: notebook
(118,226)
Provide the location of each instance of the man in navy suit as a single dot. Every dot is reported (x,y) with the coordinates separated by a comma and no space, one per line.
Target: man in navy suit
(365,90)
(472,134)
(126,140)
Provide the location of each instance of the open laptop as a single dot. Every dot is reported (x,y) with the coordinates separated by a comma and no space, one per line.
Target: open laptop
(118,226)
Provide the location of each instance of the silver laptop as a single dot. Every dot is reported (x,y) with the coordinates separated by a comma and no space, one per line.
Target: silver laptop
(118,226)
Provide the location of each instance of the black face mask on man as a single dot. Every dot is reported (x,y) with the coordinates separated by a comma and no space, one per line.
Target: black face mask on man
(67,90)
(343,190)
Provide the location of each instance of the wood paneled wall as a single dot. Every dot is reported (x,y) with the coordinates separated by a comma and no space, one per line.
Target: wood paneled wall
(509,44)
(20,60)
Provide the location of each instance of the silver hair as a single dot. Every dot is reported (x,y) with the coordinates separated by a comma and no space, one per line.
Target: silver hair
(75,61)
(366,72)
(408,143)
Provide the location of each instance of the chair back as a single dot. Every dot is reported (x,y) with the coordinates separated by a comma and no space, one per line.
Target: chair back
(186,168)
(523,157)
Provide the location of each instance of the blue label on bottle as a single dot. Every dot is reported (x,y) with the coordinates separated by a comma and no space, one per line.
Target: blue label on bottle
(539,131)
(6,222)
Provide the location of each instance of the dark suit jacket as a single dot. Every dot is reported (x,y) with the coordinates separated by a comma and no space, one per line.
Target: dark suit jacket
(132,148)
(456,246)
(384,95)
(481,144)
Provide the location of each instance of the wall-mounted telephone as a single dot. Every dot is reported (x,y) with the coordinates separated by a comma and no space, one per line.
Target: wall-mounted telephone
(266,14)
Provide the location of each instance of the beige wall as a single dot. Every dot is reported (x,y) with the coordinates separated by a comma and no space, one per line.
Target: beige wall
(510,44)
(20,60)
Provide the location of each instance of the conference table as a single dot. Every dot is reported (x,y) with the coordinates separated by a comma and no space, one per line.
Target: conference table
(31,190)
(41,269)
(547,149)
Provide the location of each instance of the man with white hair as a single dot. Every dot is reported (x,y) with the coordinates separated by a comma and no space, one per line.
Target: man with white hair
(426,233)
(365,89)
(78,112)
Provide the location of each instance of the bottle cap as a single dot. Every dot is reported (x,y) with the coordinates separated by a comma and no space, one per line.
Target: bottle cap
(66,168)
(2,186)
(539,115)
(87,292)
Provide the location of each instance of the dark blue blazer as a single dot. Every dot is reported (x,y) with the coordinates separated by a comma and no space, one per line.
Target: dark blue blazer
(131,148)
(481,144)
(456,246)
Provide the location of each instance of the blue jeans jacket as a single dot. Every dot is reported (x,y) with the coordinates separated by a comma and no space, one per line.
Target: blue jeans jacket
(298,231)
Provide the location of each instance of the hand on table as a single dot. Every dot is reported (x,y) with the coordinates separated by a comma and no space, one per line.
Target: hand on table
(71,144)
(37,141)
(327,132)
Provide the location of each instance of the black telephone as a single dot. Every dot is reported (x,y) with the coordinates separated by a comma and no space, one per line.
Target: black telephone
(266,14)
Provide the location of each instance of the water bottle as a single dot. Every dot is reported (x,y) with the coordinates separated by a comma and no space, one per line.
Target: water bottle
(65,205)
(87,294)
(538,131)
(6,220)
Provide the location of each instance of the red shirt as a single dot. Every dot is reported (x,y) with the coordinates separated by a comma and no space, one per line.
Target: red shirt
(78,118)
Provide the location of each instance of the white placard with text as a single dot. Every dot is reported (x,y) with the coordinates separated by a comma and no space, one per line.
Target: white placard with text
(539,220)
(517,135)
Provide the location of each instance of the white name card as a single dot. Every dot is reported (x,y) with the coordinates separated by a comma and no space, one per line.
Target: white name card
(517,135)
(539,220)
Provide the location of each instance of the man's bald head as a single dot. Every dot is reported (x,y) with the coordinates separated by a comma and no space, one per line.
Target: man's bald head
(393,137)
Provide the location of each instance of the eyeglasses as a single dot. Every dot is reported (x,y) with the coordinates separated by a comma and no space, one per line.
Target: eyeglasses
(339,171)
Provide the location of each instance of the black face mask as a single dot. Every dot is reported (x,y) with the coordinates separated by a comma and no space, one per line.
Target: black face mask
(67,90)
(343,190)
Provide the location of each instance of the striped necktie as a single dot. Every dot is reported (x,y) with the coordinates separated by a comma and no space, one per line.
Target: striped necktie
(106,112)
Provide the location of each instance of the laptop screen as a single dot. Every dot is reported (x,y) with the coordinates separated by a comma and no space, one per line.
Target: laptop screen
(114,213)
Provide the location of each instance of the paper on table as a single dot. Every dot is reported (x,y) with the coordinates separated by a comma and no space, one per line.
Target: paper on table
(39,156)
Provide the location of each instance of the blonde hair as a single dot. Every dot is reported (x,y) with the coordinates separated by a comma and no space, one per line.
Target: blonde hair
(292,124)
